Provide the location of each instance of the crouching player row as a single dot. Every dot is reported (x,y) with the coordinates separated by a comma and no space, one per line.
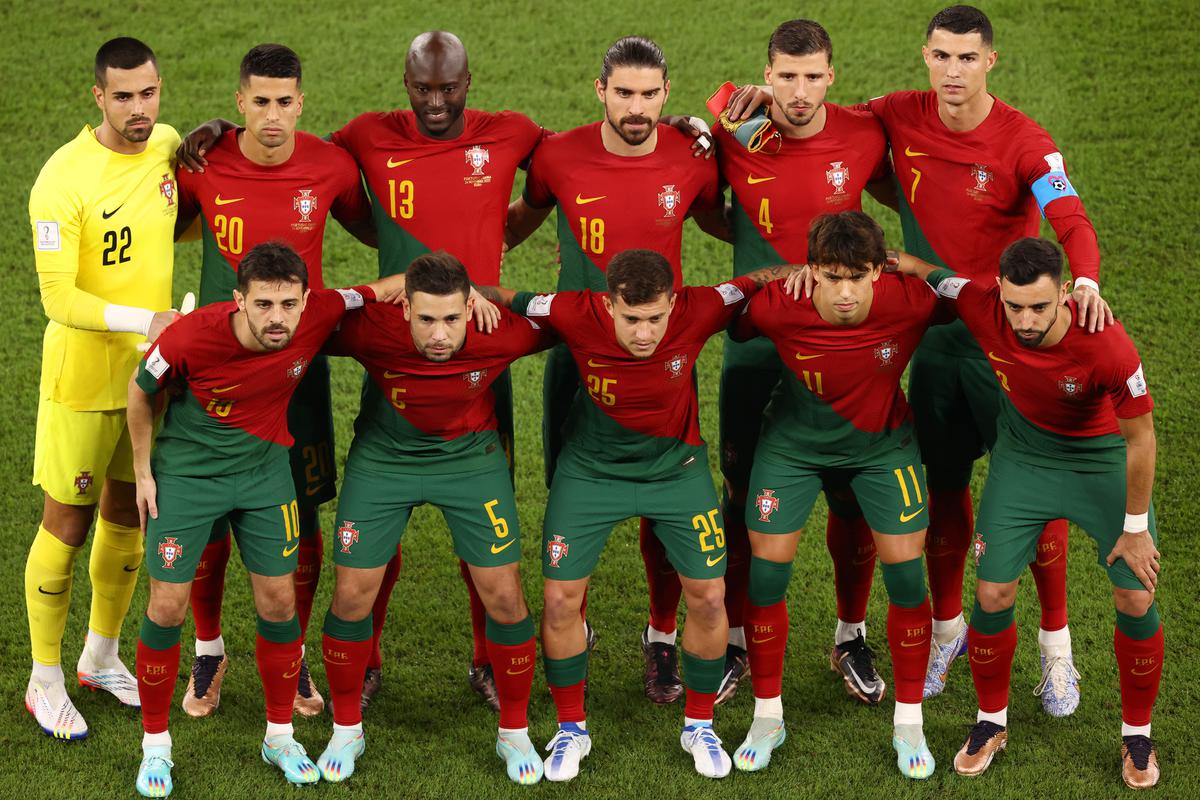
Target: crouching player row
(222,450)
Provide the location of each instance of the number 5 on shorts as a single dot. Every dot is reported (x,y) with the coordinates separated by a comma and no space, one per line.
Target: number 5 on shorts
(499,524)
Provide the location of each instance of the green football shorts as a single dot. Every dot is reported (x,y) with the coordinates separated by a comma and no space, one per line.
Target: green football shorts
(749,374)
(955,402)
(310,421)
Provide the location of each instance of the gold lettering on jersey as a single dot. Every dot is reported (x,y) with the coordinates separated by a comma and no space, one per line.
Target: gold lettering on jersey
(477,158)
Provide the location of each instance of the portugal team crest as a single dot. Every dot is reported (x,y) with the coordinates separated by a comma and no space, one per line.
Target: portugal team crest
(1070,385)
(982,175)
(474,378)
(167,188)
(84,481)
(297,368)
(170,550)
(886,353)
(767,504)
(837,176)
(980,547)
(676,364)
(669,199)
(306,204)
(477,158)
(347,535)
(557,549)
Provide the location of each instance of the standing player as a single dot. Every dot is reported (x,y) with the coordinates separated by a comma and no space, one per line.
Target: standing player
(825,159)
(427,434)
(269,182)
(625,182)
(839,416)
(102,212)
(634,449)
(222,451)
(1075,439)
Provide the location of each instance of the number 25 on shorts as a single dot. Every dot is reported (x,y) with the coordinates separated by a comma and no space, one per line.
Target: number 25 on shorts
(712,535)
(499,525)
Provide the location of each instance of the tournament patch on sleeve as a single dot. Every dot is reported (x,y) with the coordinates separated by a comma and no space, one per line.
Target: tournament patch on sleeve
(351,298)
(950,287)
(730,293)
(539,306)
(156,365)
(48,239)
(1136,383)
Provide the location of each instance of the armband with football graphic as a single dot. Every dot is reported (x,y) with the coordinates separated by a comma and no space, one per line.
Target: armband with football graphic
(755,134)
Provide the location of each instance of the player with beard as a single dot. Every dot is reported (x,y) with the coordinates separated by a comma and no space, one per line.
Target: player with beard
(625,182)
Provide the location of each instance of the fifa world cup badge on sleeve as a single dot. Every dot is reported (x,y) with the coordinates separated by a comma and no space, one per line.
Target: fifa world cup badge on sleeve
(557,549)
(767,504)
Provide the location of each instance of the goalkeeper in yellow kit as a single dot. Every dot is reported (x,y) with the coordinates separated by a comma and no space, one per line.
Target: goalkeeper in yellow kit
(103,215)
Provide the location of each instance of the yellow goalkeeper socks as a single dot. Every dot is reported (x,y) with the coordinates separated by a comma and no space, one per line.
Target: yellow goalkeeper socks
(48,594)
(116,556)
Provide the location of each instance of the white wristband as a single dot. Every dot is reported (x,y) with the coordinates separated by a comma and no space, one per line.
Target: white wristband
(1136,523)
(128,319)
(1088,282)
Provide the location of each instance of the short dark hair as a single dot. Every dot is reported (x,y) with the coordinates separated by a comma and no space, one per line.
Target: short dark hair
(438,274)
(632,51)
(271,61)
(1026,260)
(962,19)
(271,262)
(639,276)
(850,239)
(124,52)
(800,37)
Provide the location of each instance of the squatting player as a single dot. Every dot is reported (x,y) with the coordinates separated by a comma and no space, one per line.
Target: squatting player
(103,213)
(622,183)
(634,449)
(826,157)
(1075,440)
(269,182)
(222,451)
(427,433)
(839,416)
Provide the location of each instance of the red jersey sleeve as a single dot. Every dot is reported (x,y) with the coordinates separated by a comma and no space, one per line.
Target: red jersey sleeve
(714,307)
(525,335)
(1124,377)
(346,137)
(350,204)
(1041,167)
(166,360)
(537,191)
(188,184)
(708,193)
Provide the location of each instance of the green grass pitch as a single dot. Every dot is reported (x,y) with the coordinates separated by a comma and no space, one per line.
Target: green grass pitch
(1107,79)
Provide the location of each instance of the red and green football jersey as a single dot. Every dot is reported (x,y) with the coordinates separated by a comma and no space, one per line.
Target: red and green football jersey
(1061,403)
(608,203)
(966,196)
(839,402)
(639,419)
(232,414)
(433,194)
(777,195)
(243,204)
(425,416)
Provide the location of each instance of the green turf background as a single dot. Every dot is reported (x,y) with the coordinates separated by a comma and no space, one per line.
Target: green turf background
(1112,82)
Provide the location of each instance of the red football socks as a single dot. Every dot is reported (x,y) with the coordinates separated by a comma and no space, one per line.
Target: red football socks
(157,671)
(1140,664)
(380,609)
(308,572)
(946,546)
(766,640)
(909,633)
(279,669)
(513,668)
(568,700)
(662,580)
(345,664)
(991,659)
(852,549)
(479,644)
(699,705)
(1050,574)
(208,588)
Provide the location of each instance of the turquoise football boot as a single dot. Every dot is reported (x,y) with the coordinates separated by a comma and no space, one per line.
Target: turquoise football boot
(289,755)
(154,775)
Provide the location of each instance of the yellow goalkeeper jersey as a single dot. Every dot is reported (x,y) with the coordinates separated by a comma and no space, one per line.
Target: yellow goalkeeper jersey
(103,226)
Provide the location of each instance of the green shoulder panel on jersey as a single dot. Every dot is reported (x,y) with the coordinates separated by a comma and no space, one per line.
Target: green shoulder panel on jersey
(386,442)
(952,339)
(194,444)
(750,252)
(800,427)
(217,278)
(599,446)
(577,271)
(397,247)
(1022,440)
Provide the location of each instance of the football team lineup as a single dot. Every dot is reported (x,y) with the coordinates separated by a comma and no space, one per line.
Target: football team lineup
(177,432)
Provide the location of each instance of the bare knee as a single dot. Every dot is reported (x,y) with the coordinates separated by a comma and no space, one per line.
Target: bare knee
(995,597)
(354,592)
(562,603)
(118,503)
(68,524)
(274,597)
(1133,602)
(705,600)
(168,603)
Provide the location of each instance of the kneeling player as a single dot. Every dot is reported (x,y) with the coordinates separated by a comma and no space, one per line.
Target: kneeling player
(427,433)
(1076,441)
(840,417)
(223,450)
(633,448)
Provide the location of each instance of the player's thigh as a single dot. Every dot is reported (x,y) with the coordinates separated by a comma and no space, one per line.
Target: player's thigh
(687,520)
(75,450)
(749,374)
(372,512)
(310,421)
(1095,501)
(781,496)
(892,494)
(481,512)
(187,508)
(580,515)
(266,519)
(1018,500)
(946,431)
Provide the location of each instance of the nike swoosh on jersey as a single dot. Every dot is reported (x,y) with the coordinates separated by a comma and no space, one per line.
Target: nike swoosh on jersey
(750,179)
(43,591)
(580,200)
(995,357)
(390,375)
(906,517)
(712,562)
(107,214)
(287,551)
(393,164)
(223,202)
(496,550)
(802,357)
(225,389)
(597,364)
(908,151)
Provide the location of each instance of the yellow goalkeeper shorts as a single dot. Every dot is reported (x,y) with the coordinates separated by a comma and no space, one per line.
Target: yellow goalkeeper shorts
(76,450)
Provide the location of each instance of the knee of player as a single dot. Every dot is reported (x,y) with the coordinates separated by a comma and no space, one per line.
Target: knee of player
(706,598)
(167,609)
(507,606)
(561,603)
(276,603)
(995,597)
(1133,602)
